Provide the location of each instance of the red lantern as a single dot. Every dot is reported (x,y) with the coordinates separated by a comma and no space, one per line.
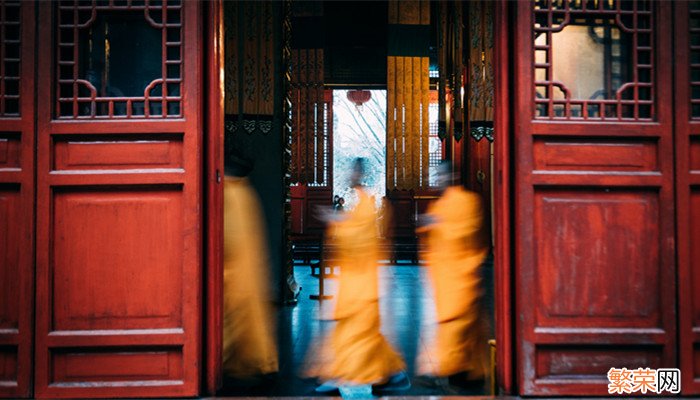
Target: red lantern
(359,97)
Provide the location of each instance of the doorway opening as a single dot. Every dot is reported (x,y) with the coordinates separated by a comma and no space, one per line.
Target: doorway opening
(359,129)
(405,304)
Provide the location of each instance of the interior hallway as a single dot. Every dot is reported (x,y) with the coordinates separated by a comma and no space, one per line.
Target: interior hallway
(407,322)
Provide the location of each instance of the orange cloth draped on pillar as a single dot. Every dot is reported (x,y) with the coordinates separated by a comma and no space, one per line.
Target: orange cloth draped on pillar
(249,343)
(356,352)
(455,251)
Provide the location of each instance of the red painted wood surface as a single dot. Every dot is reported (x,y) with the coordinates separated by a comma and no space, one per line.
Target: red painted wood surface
(119,236)
(305,202)
(687,136)
(503,202)
(403,215)
(215,196)
(594,219)
(17,200)
(406,205)
(477,173)
(459,154)
(297,195)
(423,198)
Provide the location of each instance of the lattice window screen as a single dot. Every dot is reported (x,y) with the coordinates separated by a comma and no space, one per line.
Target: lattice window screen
(593,59)
(98,44)
(9,58)
(311,119)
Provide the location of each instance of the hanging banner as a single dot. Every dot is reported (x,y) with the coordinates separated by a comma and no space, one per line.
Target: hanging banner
(249,67)
(408,95)
(309,136)
(480,108)
(308,116)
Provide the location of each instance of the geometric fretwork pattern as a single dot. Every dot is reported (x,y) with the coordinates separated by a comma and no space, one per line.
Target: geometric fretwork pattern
(9,58)
(694,41)
(593,60)
(310,118)
(322,153)
(118,59)
(434,144)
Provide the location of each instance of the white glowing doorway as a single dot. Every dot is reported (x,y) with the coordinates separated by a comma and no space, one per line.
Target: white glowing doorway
(359,132)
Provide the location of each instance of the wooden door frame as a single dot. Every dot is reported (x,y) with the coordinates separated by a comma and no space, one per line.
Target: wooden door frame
(685,130)
(503,204)
(213,192)
(214,197)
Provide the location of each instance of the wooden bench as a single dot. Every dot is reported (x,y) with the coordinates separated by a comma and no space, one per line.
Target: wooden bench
(304,252)
(322,270)
(406,250)
(326,267)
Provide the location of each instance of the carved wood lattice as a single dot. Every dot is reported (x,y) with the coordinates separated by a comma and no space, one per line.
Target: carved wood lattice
(626,34)
(84,89)
(9,58)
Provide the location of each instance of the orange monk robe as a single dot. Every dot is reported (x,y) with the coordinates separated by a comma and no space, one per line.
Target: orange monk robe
(249,343)
(455,251)
(357,351)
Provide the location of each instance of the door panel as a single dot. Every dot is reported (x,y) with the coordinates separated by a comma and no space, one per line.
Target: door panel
(687,112)
(595,255)
(119,200)
(16,196)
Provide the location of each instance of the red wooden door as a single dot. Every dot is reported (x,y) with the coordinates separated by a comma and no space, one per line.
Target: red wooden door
(119,166)
(687,113)
(594,193)
(16,196)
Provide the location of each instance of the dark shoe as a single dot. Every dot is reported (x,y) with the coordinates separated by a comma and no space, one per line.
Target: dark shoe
(428,381)
(463,381)
(395,383)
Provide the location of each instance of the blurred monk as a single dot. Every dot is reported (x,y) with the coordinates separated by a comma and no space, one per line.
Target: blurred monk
(249,343)
(456,249)
(357,352)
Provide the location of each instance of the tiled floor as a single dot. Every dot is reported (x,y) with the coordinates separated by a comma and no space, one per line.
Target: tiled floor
(407,322)
(407,397)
